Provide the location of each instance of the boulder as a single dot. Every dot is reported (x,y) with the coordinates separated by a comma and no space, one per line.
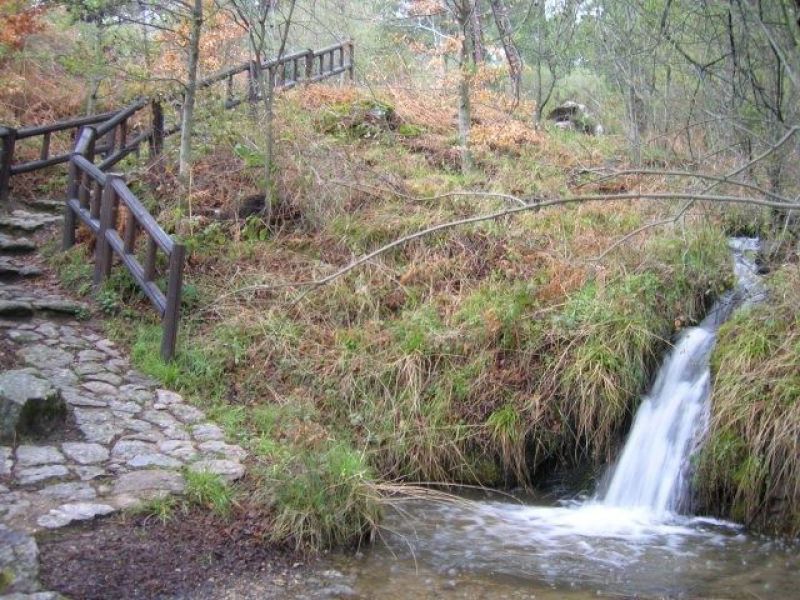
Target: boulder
(571,115)
(29,405)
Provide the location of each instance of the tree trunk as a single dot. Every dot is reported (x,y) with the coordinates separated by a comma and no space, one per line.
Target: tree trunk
(187,116)
(513,57)
(476,33)
(464,84)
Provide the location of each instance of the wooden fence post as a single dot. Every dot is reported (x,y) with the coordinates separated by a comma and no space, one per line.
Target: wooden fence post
(102,249)
(169,322)
(352,66)
(9,140)
(68,236)
(157,137)
(309,65)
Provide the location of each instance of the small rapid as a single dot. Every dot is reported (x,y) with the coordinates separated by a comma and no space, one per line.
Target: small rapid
(652,471)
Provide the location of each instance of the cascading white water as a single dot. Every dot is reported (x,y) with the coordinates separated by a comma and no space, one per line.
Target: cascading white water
(651,471)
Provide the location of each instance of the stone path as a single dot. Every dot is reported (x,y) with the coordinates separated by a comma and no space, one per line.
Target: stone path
(104,438)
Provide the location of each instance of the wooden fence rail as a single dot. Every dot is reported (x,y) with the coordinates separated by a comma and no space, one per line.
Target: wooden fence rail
(95,196)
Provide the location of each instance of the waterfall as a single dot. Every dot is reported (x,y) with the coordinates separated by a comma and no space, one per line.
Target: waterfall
(651,472)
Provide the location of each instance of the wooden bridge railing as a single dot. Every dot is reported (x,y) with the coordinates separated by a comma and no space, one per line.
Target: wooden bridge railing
(94,196)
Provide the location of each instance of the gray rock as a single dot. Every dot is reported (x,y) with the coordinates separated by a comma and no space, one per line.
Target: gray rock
(91,356)
(187,414)
(19,559)
(85,453)
(73,511)
(134,393)
(97,424)
(16,244)
(227,469)
(100,388)
(34,456)
(14,268)
(106,377)
(160,418)
(88,473)
(34,596)
(23,337)
(61,377)
(168,398)
(127,449)
(29,404)
(15,308)
(61,306)
(141,461)
(43,357)
(48,329)
(72,491)
(205,432)
(219,448)
(127,408)
(81,398)
(89,368)
(176,433)
(149,480)
(27,221)
(181,449)
(37,474)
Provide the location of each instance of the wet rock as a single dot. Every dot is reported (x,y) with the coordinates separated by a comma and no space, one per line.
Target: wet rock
(19,561)
(29,404)
(85,453)
(136,482)
(227,469)
(71,512)
(571,115)
(34,456)
(36,474)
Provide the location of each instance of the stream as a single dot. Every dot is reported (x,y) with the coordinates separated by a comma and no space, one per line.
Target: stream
(629,540)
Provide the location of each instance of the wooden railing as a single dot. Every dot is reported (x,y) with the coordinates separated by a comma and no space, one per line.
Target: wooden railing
(94,196)
(94,199)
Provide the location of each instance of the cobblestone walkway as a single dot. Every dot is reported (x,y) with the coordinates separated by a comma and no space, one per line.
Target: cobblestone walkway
(119,439)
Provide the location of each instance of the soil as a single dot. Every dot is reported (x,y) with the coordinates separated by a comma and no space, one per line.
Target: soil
(141,557)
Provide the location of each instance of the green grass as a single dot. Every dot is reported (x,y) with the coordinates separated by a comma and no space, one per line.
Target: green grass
(748,469)
(210,491)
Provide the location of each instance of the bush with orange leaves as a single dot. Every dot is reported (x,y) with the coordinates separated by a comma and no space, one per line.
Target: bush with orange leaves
(19,21)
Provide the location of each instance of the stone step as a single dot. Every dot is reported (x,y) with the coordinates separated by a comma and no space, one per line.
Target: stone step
(26,307)
(16,245)
(24,220)
(46,204)
(11,269)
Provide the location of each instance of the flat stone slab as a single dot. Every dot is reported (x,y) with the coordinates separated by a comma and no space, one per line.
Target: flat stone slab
(16,244)
(29,404)
(85,453)
(152,480)
(14,268)
(33,475)
(73,511)
(72,491)
(33,456)
(27,221)
(45,357)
